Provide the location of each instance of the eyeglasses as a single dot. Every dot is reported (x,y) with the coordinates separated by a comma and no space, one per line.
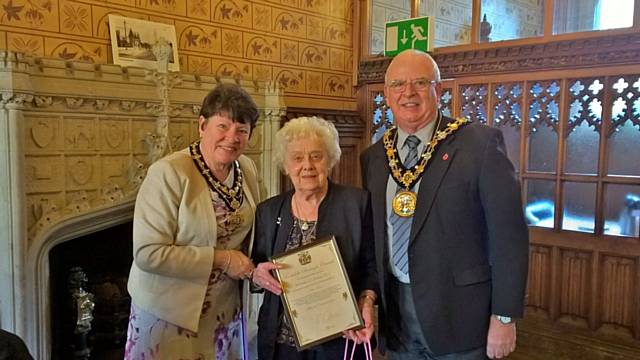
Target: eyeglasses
(418,84)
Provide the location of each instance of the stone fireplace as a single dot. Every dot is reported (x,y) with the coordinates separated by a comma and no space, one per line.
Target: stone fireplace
(75,142)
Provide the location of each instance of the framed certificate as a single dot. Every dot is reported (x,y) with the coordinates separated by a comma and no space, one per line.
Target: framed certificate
(316,293)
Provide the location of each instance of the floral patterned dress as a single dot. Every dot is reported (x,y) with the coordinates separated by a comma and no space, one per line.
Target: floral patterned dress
(220,333)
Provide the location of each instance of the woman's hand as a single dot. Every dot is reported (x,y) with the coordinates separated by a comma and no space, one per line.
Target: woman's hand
(240,266)
(366,305)
(233,263)
(262,277)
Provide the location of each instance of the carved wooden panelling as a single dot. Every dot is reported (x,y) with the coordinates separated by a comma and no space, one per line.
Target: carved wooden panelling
(539,280)
(575,284)
(618,281)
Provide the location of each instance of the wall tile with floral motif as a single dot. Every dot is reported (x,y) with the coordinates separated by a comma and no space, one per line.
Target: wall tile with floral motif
(232,43)
(314,56)
(100,21)
(292,80)
(314,82)
(336,85)
(314,29)
(232,69)
(75,18)
(3,40)
(317,6)
(264,48)
(28,44)
(162,20)
(261,17)
(199,64)
(337,33)
(262,72)
(337,59)
(289,52)
(174,7)
(232,12)
(289,23)
(292,3)
(131,3)
(31,14)
(199,9)
(341,9)
(201,38)
(75,50)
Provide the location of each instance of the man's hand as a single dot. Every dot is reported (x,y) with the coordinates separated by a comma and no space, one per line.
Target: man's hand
(501,340)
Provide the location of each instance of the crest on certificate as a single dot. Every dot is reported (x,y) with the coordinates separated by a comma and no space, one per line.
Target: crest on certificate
(304,258)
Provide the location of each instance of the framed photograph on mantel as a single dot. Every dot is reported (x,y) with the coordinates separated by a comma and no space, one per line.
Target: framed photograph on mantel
(136,42)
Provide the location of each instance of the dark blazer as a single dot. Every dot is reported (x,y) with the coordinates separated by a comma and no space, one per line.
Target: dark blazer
(344,213)
(468,250)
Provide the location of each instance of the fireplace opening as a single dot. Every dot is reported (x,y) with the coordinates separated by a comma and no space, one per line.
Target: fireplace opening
(105,258)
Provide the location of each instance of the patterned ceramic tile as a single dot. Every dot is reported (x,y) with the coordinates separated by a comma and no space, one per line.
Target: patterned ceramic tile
(32,14)
(174,7)
(262,48)
(262,72)
(316,6)
(131,3)
(337,33)
(292,80)
(314,82)
(314,28)
(199,9)
(337,59)
(201,38)
(76,50)
(75,18)
(3,40)
(336,85)
(232,43)
(314,56)
(28,44)
(234,12)
(261,17)
(162,20)
(232,69)
(292,3)
(287,22)
(289,53)
(199,65)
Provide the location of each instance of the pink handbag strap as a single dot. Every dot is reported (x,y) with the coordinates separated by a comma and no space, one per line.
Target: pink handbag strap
(367,350)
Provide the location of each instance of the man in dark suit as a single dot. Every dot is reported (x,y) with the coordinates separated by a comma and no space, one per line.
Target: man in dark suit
(451,240)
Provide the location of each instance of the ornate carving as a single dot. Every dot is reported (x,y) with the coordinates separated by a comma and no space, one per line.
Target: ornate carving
(42,133)
(74,103)
(100,104)
(127,105)
(565,54)
(43,101)
(12,100)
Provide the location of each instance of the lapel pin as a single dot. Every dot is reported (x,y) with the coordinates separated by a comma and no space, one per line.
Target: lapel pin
(445,157)
(278,220)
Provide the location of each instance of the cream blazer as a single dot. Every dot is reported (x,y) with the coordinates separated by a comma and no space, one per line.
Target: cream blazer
(174,238)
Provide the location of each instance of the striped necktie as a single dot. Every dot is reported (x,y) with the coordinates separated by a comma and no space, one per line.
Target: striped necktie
(402,225)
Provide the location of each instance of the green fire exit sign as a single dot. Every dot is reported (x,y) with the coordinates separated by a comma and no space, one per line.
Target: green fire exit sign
(414,33)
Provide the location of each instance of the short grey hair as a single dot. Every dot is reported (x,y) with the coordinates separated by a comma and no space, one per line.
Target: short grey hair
(303,128)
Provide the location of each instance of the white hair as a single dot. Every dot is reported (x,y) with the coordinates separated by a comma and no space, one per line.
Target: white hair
(304,128)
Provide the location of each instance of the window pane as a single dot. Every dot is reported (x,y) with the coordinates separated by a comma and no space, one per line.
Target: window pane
(473,106)
(622,210)
(453,21)
(507,116)
(579,202)
(625,124)
(585,122)
(381,12)
(540,202)
(587,15)
(510,19)
(543,126)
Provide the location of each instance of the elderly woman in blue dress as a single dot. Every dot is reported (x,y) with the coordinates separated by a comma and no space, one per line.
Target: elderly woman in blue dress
(191,229)
(306,149)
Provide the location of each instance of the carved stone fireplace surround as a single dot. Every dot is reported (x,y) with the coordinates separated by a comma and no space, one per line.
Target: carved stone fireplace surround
(75,142)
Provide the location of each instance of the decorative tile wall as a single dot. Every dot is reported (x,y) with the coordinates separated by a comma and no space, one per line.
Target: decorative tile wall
(305,45)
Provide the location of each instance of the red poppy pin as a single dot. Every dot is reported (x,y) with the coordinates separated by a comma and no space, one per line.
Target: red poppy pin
(445,157)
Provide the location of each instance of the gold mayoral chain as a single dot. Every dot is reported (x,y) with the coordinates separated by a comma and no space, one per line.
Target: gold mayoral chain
(404,203)
(233,196)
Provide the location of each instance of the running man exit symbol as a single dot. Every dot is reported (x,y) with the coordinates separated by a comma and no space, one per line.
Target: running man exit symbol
(415,33)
